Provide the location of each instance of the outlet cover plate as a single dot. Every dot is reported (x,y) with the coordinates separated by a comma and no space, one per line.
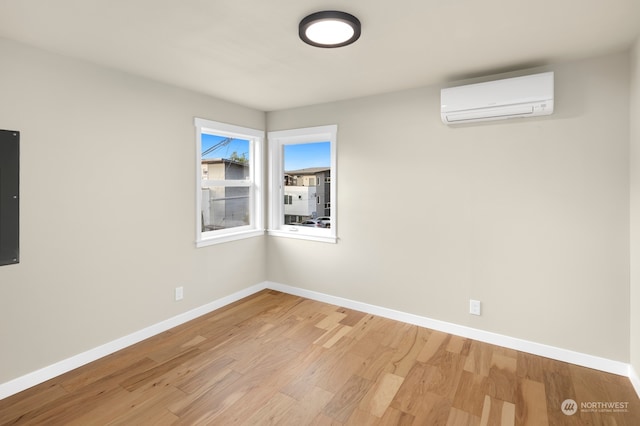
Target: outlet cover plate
(179,293)
(474,307)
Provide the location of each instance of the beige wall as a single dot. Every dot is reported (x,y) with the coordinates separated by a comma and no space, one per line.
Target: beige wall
(531,217)
(104,238)
(635,207)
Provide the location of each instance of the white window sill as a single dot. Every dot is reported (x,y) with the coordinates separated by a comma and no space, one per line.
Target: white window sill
(229,237)
(302,236)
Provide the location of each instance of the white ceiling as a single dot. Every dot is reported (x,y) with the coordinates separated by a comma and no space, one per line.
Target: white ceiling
(248,51)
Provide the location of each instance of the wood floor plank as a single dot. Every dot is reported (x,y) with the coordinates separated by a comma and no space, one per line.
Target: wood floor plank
(69,409)
(331,321)
(448,373)
(508,414)
(497,412)
(65,408)
(381,395)
(156,416)
(596,390)
(559,388)
(175,347)
(377,363)
(307,307)
(304,337)
(337,370)
(367,337)
(462,418)
(258,386)
(530,367)
(274,358)
(324,420)
(97,370)
(15,407)
(333,336)
(309,368)
(435,345)
(415,386)
(488,415)
(360,417)
(346,400)
(531,403)
(471,394)
(214,386)
(396,334)
(394,417)
(132,383)
(202,375)
(304,411)
(351,317)
(205,406)
(257,351)
(500,378)
(408,350)
(458,345)
(479,359)
(366,325)
(432,410)
(129,406)
(272,412)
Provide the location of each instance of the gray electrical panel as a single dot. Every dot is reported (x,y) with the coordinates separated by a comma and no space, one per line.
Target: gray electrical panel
(9,197)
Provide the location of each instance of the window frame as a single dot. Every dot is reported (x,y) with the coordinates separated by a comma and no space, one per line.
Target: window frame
(254,183)
(277,140)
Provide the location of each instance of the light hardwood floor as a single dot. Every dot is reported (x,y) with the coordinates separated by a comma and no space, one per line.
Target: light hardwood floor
(274,358)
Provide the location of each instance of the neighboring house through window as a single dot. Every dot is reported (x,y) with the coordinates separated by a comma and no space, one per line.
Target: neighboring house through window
(229,191)
(302,179)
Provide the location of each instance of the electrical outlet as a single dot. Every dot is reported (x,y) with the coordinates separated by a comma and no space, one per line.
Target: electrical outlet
(474,307)
(179,293)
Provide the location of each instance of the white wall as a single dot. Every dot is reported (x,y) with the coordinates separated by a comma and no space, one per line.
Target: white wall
(105,238)
(635,209)
(531,217)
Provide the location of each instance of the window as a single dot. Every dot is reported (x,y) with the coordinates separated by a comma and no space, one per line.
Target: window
(303,164)
(229,191)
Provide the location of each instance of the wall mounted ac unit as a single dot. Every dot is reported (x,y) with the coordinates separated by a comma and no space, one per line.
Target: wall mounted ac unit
(527,96)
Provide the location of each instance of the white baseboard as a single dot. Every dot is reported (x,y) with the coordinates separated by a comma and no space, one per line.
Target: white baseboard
(585,360)
(42,375)
(616,367)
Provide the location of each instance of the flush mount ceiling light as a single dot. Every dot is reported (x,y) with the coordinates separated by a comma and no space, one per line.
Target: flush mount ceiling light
(329,28)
